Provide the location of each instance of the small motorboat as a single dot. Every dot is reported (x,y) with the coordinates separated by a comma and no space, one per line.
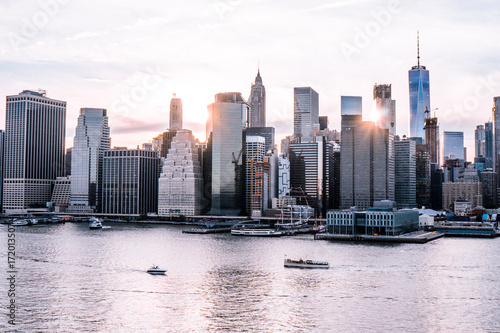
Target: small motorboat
(95,223)
(19,222)
(306,263)
(155,270)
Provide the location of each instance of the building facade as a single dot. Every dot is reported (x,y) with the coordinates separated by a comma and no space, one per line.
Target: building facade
(383,107)
(130,181)
(226,121)
(181,183)
(34,149)
(366,159)
(490,193)
(254,174)
(306,173)
(420,101)
(175,122)
(61,195)
(257,102)
(266,132)
(462,191)
(423,176)
(451,143)
(305,112)
(405,191)
(90,142)
(283,176)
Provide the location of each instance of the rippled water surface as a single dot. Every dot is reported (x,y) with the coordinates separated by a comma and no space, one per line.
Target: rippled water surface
(72,279)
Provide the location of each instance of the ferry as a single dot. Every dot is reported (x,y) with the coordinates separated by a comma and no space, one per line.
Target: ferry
(306,263)
(256,232)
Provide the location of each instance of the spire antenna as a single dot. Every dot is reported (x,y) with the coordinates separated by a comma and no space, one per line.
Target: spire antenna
(418,51)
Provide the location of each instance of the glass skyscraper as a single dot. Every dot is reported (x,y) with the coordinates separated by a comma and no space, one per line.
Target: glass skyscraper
(305,111)
(451,143)
(91,140)
(226,120)
(34,149)
(420,101)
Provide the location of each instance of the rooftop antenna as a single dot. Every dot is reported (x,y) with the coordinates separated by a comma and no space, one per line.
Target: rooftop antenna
(418,51)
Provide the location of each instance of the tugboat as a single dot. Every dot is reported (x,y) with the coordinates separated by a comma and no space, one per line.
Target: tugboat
(155,270)
(95,223)
(306,263)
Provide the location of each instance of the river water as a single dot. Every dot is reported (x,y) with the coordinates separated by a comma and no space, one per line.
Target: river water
(72,279)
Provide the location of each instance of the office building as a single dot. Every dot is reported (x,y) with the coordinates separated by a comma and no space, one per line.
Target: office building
(423,176)
(34,149)
(306,173)
(382,219)
(226,120)
(305,112)
(61,195)
(496,135)
(130,181)
(265,132)
(437,180)
(432,138)
(490,193)
(2,153)
(175,122)
(451,146)
(366,159)
(257,103)
(90,142)
(384,107)
(418,79)
(479,143)
(488,145)
(462,191)
(331,178)
(283,176)
(167,138)
(405,173)
(323,123)
(181,184)
(254,175)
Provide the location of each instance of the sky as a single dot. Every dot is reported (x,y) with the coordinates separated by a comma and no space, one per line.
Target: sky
(130,57)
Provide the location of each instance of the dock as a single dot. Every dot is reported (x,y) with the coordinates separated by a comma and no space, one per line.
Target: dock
(206,230)
(415,237)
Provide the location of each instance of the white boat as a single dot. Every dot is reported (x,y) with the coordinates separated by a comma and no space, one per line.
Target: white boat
(95,223)
(19,222)
(32,221)
(256,232)
(306,263)
(155,270)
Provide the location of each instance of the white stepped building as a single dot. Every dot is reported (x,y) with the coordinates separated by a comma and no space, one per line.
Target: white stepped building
(181,183)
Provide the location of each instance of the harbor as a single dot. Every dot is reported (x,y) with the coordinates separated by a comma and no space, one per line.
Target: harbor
(419,237)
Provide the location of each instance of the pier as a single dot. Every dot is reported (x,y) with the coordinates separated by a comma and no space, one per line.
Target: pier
(415,237)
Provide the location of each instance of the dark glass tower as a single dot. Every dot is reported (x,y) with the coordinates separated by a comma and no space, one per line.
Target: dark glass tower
(418,78)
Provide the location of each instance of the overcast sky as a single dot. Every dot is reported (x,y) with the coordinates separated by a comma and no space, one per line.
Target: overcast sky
(130,57)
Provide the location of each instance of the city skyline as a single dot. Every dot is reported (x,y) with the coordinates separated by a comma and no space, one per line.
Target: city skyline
(107,65)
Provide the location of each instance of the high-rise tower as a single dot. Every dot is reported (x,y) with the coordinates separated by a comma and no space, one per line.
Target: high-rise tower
(91,140)
(418,78)
(384,107)
(34,149)
(257,101)
(305,111)
(175,114)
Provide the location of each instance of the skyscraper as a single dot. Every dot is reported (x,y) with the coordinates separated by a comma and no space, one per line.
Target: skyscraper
(479,140)
(255,152)
(130,181)
(423,176)
(2,153)
(226,120)
(418,78)
(451,143)
(90,142)
(488,145)
(34,149)
(496,135)
(305,112)
(257,101)
(431,138)
(181,184)
(366,159)
(405,173)
(306,173)
(384,107)
(175,122)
